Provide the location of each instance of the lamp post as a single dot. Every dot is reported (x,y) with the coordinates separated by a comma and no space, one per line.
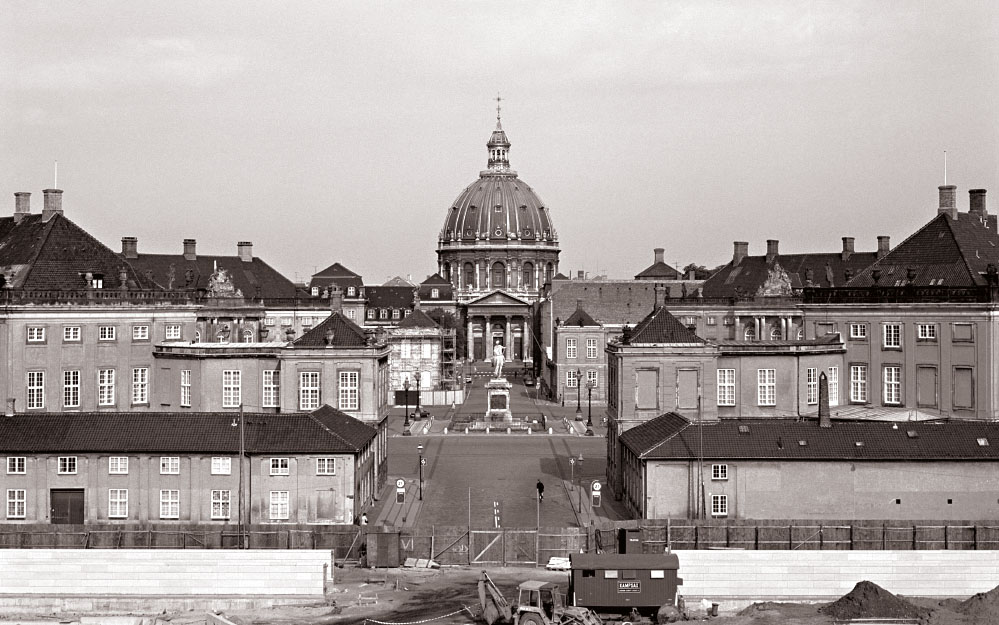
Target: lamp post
(416,415)
(239,500)
(579,412)
(579,491)
(589,407)
(405,425)
(419,449)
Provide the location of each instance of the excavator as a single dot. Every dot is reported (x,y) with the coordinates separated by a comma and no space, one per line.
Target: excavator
(538,603)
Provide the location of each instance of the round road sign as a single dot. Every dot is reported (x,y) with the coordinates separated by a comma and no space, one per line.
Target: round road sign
(596,486)
(400,483)
(423,461)
(572,461)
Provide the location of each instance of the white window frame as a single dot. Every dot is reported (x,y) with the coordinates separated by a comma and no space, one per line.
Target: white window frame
(232,391)
(858,331)
(726,387)
(107,333)
(749,334)
(185,388)
(280,505)
(326,466)
(405,350)
(140,333)
(17,503)
(858,384)
(71,334)
(140,385)
(17,465)
(591,348)
(570,379)
(892,385)
(169,504)
(350,314)
(926,331)
(118,465)
(351,291)
(221,465)
(271,388)
(891,335)
(280,466)
(315,291)
(71,388)
(592,378)
(832,376)
(348,390)
(36,334)
(719,505)
(570,347)
(221,504)
(172,332)
(67,465)
(426,350)
(117,503)
(36,390)
(169,465)
(766,387)
(105,387)
(308,390)
(811,386)
(395,313)
(719,472)
(435,293)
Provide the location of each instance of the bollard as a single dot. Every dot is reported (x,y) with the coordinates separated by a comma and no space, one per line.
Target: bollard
(445,430)
(487,429)
(466,430)
(551,431)
(508,430)
(528,430)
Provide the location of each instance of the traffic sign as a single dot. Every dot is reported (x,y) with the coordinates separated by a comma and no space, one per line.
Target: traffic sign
(596,486)
(572,460)
(400,483)
(423,461)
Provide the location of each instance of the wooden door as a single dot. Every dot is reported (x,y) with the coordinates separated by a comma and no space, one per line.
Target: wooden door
(67,506)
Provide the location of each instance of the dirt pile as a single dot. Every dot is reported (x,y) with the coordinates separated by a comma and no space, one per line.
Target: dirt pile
(983,607)
(868,600)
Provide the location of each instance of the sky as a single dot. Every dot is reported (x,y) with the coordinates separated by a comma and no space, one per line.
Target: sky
(342,132)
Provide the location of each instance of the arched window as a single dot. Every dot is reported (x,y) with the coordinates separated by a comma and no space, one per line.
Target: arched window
(529,275)
(775,334)
(197,336)
(549,273)
(469,275)
(750,333)
(247,336)
(499,276)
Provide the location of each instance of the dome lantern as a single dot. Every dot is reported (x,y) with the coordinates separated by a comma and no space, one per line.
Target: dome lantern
(498,147)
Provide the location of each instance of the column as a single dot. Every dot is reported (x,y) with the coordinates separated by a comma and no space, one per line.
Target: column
(478,275)
(508,339)
(759,328)
(527,344)
(471,342)
(739,332)
(783,328)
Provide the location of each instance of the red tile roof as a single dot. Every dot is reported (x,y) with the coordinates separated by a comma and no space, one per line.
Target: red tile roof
(745,279)
(580,318)
(339,275)
(663,328)
(343,333)
(418,319)
(254,279)
(391,297)
(658,271)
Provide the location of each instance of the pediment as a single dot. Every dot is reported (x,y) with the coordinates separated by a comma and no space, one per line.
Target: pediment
(498,298)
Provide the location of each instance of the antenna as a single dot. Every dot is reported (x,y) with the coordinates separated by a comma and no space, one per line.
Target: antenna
(55,176)
(945,167)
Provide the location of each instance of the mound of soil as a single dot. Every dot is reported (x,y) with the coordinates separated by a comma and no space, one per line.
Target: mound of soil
(984,605)
(868,600)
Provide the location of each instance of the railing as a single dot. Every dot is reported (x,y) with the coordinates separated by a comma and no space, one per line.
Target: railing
(901,294)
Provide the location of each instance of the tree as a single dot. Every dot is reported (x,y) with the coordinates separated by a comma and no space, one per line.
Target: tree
(700,272)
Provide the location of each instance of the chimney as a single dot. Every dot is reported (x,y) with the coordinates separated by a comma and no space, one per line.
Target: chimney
(741,251)
(825,421)
(847,248)
(245,251)
(336,299)
(22,205)
(189,249)
(977,199)
(884,245)
(948,201)
(692,274)
(129,247)
(53,203)
(771,249)
(9,411)
(661,293)
(659,252)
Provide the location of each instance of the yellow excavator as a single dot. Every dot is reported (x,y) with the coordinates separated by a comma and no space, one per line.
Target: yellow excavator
(538,603)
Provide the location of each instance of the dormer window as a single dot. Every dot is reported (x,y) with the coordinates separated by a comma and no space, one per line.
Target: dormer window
(435,293)
(351,291)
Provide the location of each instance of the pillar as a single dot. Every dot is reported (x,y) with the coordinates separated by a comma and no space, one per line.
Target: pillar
(739,332)
(508,338)
(759,328)
(526,344)
(470,339)
(478,275)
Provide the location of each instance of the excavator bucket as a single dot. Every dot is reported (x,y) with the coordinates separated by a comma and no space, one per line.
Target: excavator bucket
(495,608)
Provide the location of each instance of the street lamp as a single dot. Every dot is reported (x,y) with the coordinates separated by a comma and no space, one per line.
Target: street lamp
(242,452)
(419,449)
(405,426)
(589,407)
(579,413)
(416,415)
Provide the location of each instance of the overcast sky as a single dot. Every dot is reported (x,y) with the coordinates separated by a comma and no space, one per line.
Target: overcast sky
(342,132)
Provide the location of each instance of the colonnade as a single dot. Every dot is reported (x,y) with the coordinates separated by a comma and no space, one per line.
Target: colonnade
(761,327)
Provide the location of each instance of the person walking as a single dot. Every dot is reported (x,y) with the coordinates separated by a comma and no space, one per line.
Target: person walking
(541,490)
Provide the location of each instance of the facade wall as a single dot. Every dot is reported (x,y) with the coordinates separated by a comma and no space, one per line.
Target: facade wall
(792,396)
(586,360)
(370,366)
(415,356)
(207,376)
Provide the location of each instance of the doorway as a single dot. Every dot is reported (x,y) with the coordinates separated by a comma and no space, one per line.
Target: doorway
(67,506)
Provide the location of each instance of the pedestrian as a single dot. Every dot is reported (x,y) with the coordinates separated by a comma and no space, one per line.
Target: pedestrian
(541,490)
(364,518)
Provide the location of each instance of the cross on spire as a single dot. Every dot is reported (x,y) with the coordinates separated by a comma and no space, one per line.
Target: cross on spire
(498,100)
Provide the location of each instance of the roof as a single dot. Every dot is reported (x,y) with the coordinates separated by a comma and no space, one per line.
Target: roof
(418,319)
(57,254)
(580,318)
(640,561)
(658,271)
(445,292)
(390,296)
(399,281)
(945,251)
(336,274)
(661,327)
(325,430)
(614,302)
(672,437)
(342,333)
(253,279)
(754,275)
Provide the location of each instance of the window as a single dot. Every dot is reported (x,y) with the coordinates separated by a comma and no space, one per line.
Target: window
(169,465)
(106,333)
(710,321)
(719,505)
(766,387)
(280,466)
(36,334)
(435,293)
(811,386)
(269,321)
(16,503)
(350,314)
(892,385)
(67,465)
(750,333)
(36,389)
(371,314)
(427,350)
(591,379)
(220,504)
(315,291)
(570,348)
(140,333)
(858,383)
(70,389)
(348,398)
(395,313)
(325,466)
(775,334)
(858,331)
(105,387)
(16,465)
(118,465)
(279,505)
(719,471)
(169,504)
(118,503)
(221,465)
(231,391)
(383,313)
(407,349)
(351,291)
(892,336)
(833,379)
(591,348)
(271,386)
(172,332)
(71,334)
(308,390)
(286,321)
(570,379)
(185,387)
(140,385)
(726,387)
(926,331)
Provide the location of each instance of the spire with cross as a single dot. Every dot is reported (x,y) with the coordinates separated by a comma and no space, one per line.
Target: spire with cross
(499,146)
(498,100)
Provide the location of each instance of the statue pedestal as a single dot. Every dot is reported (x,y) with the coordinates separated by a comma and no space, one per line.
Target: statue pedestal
(498,406)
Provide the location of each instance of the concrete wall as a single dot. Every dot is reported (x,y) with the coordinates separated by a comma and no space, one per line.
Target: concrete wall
(161,572)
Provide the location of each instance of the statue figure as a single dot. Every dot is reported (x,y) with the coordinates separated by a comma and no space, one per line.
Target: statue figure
(498,359)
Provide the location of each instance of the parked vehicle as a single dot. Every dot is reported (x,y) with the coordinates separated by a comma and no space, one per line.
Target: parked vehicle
(538,603)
